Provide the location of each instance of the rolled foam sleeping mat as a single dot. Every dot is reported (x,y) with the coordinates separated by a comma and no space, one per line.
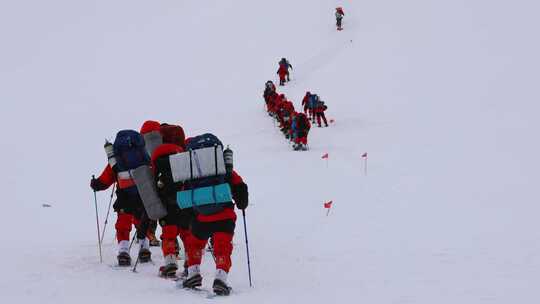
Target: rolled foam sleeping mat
(201,163)
(152,140)
(144,179)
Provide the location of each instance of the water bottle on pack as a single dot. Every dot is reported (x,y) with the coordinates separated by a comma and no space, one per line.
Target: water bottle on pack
(228,157)
(110,153)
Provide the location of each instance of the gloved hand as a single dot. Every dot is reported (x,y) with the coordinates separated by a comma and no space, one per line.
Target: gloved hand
(240,195)
(96,185)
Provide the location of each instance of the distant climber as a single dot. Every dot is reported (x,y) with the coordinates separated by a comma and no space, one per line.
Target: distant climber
(286,65)
(282,72)
(339,17)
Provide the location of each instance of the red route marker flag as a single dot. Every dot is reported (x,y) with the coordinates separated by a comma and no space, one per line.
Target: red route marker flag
(325,156)
(328,205)
(364,156)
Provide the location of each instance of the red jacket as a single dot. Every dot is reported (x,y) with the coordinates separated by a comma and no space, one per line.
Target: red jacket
(288,106)
(305,100)
(278,103)
(107,177)
(123,180)
(271,100)
(282,71)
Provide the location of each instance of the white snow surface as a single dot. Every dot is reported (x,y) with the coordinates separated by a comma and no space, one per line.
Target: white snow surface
(443,95)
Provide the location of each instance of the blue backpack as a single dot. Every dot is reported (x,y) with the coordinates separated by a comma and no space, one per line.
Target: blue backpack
(203,141)
(213,188)
(313,100)
(129,150)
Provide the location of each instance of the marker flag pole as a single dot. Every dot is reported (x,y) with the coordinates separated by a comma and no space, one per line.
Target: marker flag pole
(325,156)
(328,205)
(365,157)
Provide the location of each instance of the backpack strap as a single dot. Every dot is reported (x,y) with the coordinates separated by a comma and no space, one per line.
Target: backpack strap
(216,166)
(191,177)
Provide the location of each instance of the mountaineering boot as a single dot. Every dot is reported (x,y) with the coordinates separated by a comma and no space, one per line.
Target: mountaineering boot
(145,255)
(194,278)
(170,267)
(193,282)
(220,283)
(124,259)
(221,288)
(154,242)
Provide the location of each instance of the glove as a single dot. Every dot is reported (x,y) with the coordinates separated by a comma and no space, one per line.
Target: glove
(96,185)
(240,195)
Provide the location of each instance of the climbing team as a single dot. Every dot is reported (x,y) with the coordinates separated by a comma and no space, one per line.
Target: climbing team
(187,185)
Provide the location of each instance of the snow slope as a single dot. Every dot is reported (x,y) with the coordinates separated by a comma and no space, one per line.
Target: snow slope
(443,97)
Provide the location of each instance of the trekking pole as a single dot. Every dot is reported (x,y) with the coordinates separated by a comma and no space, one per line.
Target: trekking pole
(137,260)
(247,246)
(131,244)
(136,263)
(211,248)
(97,224)
(108,211)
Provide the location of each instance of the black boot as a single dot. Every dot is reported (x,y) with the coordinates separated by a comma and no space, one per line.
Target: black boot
(221,288)
(168,271)
(193,282)
(155,243)
(124,259)
(145,255)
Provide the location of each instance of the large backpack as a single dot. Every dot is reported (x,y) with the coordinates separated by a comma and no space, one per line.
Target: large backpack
(323,106)
(313,100)
(301,122)
(203,141)
(133,162)
(202,170)
(173,134)
(129,150)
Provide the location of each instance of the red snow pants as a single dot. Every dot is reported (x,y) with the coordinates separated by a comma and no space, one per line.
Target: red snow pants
(222,234)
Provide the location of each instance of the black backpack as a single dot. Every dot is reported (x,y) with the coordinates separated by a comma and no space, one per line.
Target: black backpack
(301,122)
